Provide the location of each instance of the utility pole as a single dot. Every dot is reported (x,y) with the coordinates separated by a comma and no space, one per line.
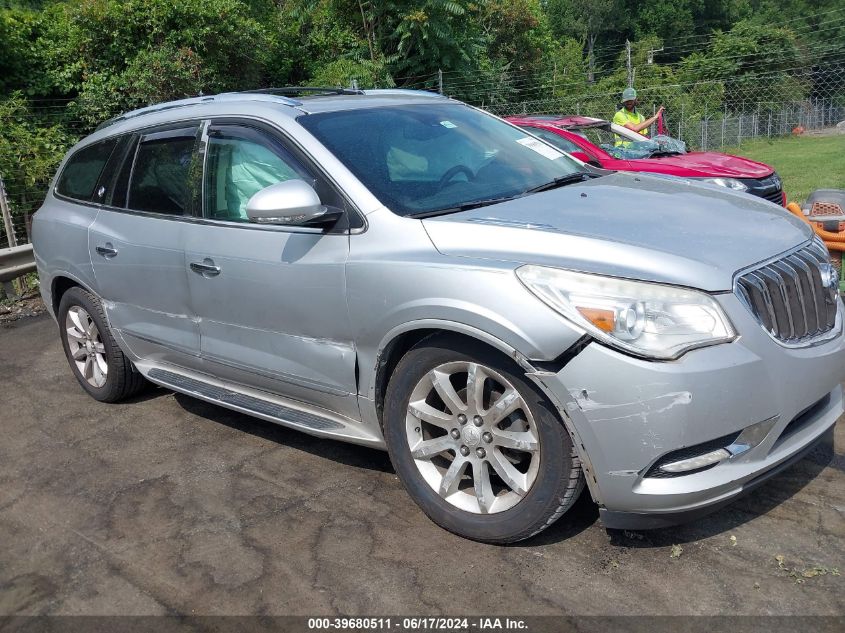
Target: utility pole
(628,63)
(440,81)
(651,53)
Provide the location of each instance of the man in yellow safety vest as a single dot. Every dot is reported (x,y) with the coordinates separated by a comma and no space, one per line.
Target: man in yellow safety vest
(628,116)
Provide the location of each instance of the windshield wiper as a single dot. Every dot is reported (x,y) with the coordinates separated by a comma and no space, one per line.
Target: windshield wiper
(466,206)
(562,181)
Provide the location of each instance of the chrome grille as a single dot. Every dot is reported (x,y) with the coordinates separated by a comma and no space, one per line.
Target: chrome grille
(768,188)
(794,298)
(775,196)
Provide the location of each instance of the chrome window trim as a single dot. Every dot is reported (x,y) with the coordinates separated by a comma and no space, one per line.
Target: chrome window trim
(196,220)
(242,225)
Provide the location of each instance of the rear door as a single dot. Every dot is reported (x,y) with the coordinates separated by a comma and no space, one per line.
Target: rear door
(271,300)
(137,245)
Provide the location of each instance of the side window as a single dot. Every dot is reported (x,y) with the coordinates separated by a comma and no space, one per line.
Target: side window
(555,139)
(240,162)
(161,174)
(83,169)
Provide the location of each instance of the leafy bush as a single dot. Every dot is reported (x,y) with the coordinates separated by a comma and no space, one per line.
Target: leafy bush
(119,54)
(341,72)
(29,153)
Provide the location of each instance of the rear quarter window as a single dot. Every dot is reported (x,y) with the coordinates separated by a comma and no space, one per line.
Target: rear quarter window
(83,169)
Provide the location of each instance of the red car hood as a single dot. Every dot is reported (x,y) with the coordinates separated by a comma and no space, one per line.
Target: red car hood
(702,165)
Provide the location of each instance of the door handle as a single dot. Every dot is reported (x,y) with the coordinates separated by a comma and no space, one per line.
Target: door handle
(206,268)
(106,251)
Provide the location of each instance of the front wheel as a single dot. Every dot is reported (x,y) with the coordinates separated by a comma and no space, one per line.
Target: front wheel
(478,449)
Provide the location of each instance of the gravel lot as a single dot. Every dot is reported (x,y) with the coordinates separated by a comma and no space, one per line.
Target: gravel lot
(170,505)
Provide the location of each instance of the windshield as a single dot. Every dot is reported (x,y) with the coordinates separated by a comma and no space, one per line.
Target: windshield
(626,148)
(420,159)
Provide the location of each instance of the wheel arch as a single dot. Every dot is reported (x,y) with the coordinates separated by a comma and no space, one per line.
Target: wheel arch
(401,339)
(59,285)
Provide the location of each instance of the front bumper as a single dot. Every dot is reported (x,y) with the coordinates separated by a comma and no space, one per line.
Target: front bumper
(627,413)
(650,521)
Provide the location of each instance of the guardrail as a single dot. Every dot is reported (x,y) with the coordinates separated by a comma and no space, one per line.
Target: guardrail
(15,262)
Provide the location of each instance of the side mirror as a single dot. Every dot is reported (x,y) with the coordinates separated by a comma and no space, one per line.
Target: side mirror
(290,203)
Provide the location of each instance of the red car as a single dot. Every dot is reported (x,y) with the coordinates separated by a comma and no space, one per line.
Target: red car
(594,141)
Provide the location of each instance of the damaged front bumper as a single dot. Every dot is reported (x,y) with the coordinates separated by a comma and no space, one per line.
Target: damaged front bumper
(628,416)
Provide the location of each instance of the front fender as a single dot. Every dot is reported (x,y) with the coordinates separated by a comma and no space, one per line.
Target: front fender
(488,304)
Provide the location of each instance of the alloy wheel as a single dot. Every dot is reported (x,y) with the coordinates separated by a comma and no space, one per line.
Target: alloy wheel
(472,437)
(86,346)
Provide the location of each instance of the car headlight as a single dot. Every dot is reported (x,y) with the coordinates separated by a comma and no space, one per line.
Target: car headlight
(646,319)
(730,183)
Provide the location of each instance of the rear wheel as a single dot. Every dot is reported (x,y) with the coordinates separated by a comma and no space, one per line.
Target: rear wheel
(94,357)
(479,449)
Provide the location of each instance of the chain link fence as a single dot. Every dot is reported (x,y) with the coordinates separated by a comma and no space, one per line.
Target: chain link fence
(34,136)
(709,115)
(17,231)
(711,131)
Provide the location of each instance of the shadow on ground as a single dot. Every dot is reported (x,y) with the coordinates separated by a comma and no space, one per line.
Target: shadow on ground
(341,452)
(583,514)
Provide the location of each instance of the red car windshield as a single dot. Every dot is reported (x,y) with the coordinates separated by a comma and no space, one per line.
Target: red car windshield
(629,149)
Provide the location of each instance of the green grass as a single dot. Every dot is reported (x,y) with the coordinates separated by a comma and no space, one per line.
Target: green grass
(805,163)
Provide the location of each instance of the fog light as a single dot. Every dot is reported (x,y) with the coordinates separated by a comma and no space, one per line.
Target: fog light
(694,463)
(751,436)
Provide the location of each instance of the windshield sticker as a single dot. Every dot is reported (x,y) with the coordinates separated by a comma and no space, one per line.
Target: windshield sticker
(448,124)
(540,147)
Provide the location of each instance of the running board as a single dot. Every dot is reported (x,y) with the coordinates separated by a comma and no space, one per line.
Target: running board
(265,406)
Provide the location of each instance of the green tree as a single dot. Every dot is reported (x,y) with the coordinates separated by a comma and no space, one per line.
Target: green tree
(426,35)
(746,57)
(668,19)
(18,53)
(118,54)
(328,37)
(342,72)
(588,21)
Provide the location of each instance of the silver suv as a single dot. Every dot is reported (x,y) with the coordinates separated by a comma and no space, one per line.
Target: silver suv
(403,271)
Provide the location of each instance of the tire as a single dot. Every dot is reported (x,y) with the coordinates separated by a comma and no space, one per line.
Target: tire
(97,362)
(488,501)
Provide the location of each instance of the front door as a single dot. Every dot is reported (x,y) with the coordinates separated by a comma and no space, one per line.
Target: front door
(270,301)
(137,246)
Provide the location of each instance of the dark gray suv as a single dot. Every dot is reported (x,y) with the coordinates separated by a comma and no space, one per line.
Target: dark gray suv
(403,271)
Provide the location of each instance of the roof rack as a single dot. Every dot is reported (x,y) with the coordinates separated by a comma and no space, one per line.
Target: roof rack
(299,90)
(288,91)
(404,91)
(182,103)
(279,95)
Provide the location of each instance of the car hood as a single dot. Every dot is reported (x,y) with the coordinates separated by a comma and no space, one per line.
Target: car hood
(627,225)
(703,165)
